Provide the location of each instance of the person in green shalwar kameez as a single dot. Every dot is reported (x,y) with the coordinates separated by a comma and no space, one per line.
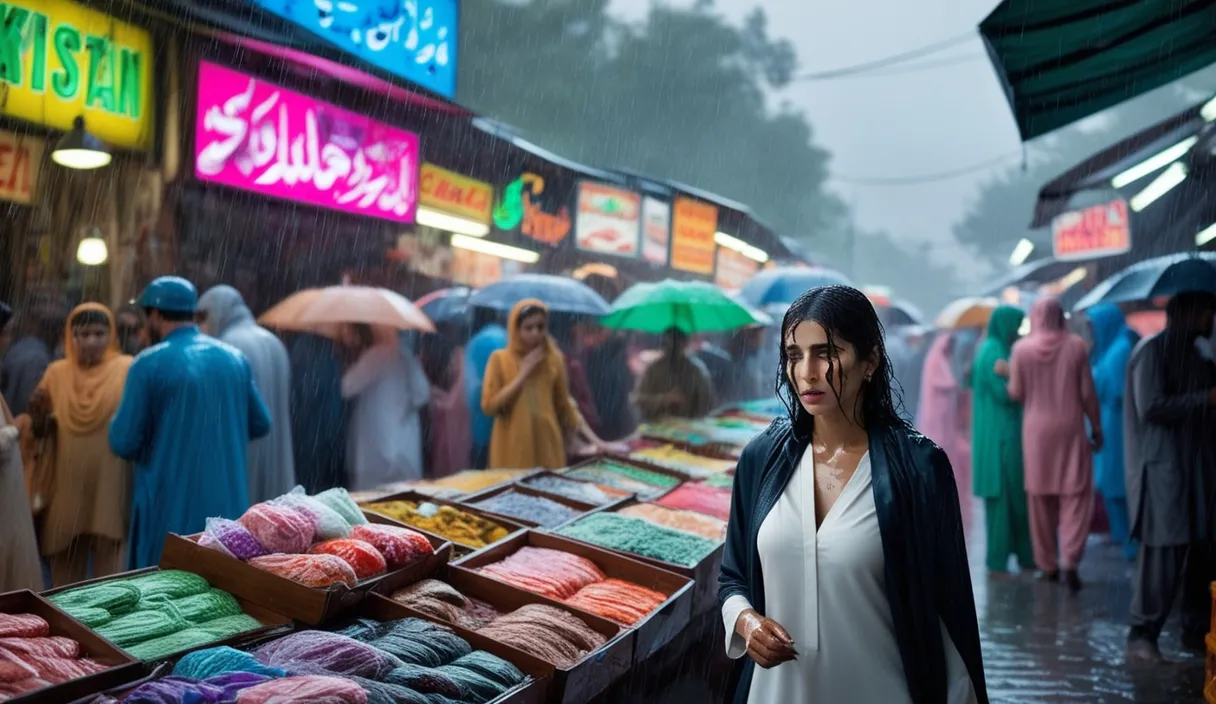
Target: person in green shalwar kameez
(996,439)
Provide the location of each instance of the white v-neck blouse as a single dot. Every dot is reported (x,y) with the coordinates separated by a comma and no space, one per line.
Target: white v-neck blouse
(826,586)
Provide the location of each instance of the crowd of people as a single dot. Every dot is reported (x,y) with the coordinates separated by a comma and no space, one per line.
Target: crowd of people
(181,407)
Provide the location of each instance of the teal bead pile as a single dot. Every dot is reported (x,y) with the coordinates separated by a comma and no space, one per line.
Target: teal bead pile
(634,535)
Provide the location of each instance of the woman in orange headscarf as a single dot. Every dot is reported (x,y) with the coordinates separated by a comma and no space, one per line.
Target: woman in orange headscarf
(88,497)
(526,393)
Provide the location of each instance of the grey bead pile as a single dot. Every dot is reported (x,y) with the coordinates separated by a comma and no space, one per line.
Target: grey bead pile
(537,509)
(579,491)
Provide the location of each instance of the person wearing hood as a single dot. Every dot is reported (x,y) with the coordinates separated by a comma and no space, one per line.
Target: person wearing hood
(1049,375)
(19,568)
(1169,419)
(388,390)
(88,495)
(997,447)
(938,413)
(527,394)
(224,315)
(1111,349)
(188,411)
(676,384)
(490,338)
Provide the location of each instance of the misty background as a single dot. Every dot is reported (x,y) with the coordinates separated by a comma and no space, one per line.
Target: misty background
(874,132)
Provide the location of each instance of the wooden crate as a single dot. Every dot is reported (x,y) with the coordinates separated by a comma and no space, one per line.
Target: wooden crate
(474,500)
(458,549)
(123,667)
(273,624)
(626,460)
(652,632)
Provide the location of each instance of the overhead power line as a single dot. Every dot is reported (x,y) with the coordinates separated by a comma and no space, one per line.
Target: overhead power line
(900,69)
(891,60)
(930,177)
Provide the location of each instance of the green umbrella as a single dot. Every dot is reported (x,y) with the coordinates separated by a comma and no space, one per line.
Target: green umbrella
(691,306)
(1064,60)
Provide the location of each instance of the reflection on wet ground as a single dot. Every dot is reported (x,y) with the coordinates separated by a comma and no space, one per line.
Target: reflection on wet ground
(1042,644)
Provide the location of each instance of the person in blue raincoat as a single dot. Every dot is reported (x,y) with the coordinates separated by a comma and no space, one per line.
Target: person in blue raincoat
(188,412)
(490,338)
(1112,347)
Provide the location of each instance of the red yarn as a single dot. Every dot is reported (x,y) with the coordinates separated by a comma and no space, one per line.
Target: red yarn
(551,573)
(695,496)
(618,600)
(47,647)
(318,571)
(23,626)
(399,546)
(363,558)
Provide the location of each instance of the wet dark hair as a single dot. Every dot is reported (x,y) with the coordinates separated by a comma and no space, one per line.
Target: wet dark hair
(528,312)
(845,314)
(90,317)
(1184,305)
(172,316)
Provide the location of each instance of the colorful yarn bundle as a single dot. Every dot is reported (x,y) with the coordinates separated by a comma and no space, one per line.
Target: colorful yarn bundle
(678,519)
(329,523)
(212,662)
(552,573)
(335,653)
(624,602)
(177,690)
(586,492)
(204,633)
(160,619)
(438,599)
(553,635)
(643,482)
(524,507)
(211,604)
(31,658)
(317,571)
(673,458)
(235,539)
(315,689)
(417,642)
(399,546)
(115,597)
(339,500)
(363,558)
(695,496)
(281,529)
(640,537)
(448,522)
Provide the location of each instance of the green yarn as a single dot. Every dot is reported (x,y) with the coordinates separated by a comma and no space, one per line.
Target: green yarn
(228,626)
(160,648)
(339,500)
(720,480)
(116,596)
(139,626)
(617,532)
(174,584)
(91,616)
(208,606)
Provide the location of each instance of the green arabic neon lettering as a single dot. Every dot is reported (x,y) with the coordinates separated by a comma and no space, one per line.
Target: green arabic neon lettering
(509,211)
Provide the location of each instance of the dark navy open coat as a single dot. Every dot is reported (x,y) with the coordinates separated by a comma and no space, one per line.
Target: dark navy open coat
(927,577)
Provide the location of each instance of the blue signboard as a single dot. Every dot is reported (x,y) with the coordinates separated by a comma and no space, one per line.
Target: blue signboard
(413,39)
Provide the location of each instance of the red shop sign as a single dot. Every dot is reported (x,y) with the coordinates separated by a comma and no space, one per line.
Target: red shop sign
(1090,233)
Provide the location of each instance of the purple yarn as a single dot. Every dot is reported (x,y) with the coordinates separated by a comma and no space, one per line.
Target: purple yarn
(176,690)
(235,538)
(337,654)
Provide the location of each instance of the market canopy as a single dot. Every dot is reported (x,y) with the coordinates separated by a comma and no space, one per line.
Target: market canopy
(1063,60)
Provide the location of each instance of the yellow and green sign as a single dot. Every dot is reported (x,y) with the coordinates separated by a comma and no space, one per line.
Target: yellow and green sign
(60,60)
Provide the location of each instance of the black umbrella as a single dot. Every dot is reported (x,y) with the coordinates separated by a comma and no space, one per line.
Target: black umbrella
(1156,278)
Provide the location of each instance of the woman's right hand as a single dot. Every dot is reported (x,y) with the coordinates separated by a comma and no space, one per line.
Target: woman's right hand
(767,642)
(532,360)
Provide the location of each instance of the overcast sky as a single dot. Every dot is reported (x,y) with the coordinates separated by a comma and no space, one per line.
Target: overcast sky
(894,126)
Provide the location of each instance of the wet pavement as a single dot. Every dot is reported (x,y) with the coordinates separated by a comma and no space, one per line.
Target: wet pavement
(1042,644)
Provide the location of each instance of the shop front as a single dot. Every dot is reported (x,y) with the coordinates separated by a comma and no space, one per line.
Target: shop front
(77,83)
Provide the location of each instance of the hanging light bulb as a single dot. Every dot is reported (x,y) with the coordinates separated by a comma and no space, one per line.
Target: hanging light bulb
(92,251)
(80,150)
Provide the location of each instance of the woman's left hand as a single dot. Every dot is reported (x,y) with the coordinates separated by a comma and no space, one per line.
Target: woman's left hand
(614,448)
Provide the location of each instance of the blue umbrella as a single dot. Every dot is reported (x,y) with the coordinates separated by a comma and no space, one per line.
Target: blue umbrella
(446,304)
(784,284)
(561,294)
(1156,278)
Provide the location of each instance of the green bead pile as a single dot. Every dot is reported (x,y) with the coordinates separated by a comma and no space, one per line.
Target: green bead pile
(720,480)
(643,482)
(634,535)
(158,614)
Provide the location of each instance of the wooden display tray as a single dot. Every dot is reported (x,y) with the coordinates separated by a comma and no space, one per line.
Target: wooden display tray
(655,467)
(458,549)
(272,623)
(124,668)
(626,460)
(308,605)
(570,685)
(581,507)
(534,691)
(652,632)
(704,574)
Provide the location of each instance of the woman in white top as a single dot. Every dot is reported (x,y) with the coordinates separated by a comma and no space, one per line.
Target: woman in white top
(845,575)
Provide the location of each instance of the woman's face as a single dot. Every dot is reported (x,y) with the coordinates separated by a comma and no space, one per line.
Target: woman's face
(532,330)
(91,342)
(827,378)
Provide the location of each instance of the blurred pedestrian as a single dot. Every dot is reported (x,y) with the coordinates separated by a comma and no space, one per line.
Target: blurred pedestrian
(905,370)
(937,415)
(489,338)
(996,457)
(188,411)
(19,567)
(132,336)
(676,384)
(1049,375)
(605,353)
(1170,420)
(88,493)
(388,390)
(845,573)
(449,438)
(37,337)
(1112,343)
(318,413)
(527,394)
(222,313)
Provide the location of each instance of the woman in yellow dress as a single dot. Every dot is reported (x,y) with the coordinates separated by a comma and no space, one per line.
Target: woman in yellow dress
(526,393)
(89,493)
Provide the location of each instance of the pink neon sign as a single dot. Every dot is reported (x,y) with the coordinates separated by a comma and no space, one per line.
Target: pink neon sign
(256,136)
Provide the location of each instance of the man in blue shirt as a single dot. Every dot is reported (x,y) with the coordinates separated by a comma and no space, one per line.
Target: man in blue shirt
(188,412)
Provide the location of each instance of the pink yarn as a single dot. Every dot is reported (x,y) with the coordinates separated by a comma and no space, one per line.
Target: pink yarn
(400,546)
(315,689)
(281,529)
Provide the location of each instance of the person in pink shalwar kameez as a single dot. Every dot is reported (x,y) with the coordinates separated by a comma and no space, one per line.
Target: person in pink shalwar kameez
(938,415)
(1049,374)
